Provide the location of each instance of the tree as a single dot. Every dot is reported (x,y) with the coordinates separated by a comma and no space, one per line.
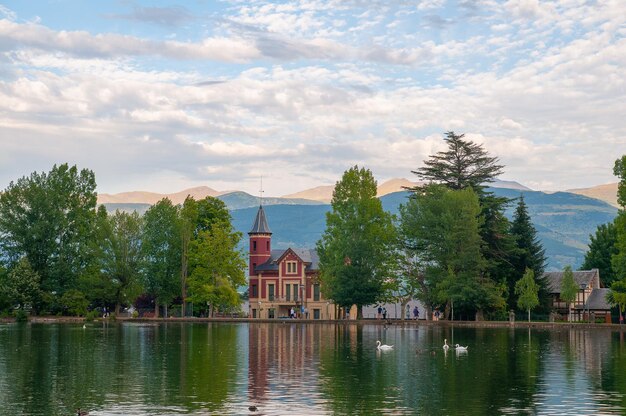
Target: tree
(22,288)
(619,170)
(617,297)
(48,217)
(122,261)
(356,249)
(602,247)
(530,253)
(218,267)
(465,164)
(569,289)
(188,220)
(75,302)
(442,227)
(618,260)
(161,250)
(527,291)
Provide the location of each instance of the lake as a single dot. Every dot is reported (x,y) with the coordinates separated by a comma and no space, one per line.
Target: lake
(296,368)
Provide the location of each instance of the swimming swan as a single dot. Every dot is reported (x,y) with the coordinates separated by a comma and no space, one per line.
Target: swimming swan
(445,344)
(460,348)
(383,346)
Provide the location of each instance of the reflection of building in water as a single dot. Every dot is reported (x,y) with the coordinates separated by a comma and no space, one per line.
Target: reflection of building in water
(590,303)
(282,281)
(282,354)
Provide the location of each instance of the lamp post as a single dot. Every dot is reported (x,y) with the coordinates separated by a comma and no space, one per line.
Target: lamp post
(583,286)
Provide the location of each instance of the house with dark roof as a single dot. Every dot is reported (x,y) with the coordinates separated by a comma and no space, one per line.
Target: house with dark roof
(282,281)
(590,303)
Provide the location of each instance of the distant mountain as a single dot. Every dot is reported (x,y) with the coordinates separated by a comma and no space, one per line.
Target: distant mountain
(319,193)
(606,193)
(508,185)
(151,198)
(563,221)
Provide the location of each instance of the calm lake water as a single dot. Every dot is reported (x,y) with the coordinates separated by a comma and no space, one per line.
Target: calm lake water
(293,368)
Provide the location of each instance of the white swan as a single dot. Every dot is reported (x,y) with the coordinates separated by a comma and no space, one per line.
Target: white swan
(460,348)
(383,346)
(445,344)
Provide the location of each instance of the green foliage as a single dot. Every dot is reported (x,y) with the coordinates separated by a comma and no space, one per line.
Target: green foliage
(218,267)
(618,260)
(602,248)
(161,249)
(527,291)
(48,218)
(356,249)
(569,287)
(529,252)
(617,295)
(442,226)
(21,315)
(122,259)
(75,302)
(464,165)
(619,170)
(22,287)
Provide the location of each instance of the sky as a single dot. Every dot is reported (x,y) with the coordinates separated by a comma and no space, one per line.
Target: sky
(163,95)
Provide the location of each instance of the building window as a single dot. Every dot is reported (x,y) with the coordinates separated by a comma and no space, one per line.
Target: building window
(254,291)
(271,313)
(254,246)
(254,313)
(291,267)
(271,292)
(267,245)
(295,293)
(316,292)
(316,314)
(288,292)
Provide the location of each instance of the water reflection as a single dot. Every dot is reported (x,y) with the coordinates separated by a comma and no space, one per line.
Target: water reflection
(281,368)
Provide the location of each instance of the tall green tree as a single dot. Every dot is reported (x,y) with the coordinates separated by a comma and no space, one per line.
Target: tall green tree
(530,253)
(22,286)
(48,218)
(527,291)
(619,170)
(122,260)
(464,164)
(356,250)
(188,221)
(617,297)
(602,247)
(218,268)
(442,227)
(161,249)
(618,260)
(569,289)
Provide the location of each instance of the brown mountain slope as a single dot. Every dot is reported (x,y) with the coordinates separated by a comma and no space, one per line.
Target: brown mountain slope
(319,193)
(606,193)
(139,197)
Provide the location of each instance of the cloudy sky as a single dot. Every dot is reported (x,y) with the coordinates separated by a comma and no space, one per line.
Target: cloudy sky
(161,96)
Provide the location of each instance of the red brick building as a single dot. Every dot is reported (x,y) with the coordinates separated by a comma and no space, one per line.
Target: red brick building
(283,280)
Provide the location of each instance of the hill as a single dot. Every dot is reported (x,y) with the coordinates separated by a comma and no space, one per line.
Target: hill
(606,193)
(563,221)
(139,197)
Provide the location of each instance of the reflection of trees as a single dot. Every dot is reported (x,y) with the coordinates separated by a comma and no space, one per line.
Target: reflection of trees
(55,369)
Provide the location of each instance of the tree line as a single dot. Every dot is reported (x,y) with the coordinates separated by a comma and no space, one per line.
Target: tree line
(60,253)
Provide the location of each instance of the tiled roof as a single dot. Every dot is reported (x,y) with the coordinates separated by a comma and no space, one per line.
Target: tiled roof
(597,300)
(308,256)
(555,279)
(260,223)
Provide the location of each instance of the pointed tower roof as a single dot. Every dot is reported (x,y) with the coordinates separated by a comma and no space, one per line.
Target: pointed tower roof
(260,223)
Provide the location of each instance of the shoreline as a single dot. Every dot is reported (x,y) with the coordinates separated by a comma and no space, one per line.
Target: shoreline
(407,323)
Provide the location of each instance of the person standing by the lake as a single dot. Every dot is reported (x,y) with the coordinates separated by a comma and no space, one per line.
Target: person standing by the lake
(416,313)
(380,312)
(384,313)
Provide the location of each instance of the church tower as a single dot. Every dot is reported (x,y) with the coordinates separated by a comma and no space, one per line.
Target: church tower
(260,241)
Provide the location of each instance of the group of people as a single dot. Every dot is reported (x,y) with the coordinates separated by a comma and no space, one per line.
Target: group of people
(292,313)
(382,312)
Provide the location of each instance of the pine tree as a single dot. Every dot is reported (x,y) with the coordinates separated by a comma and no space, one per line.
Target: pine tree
(529,253)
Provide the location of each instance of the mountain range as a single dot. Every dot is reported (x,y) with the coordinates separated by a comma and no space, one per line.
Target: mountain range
(563,220)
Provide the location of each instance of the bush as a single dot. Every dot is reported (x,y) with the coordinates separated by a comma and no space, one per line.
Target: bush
(135,314)
(74,302)
(21,316)
(91,315)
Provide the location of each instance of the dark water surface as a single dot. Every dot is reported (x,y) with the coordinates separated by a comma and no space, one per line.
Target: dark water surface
(298,369)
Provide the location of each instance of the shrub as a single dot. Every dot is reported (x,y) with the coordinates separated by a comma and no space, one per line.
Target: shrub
(21,316)
(91,315)
(74,302)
